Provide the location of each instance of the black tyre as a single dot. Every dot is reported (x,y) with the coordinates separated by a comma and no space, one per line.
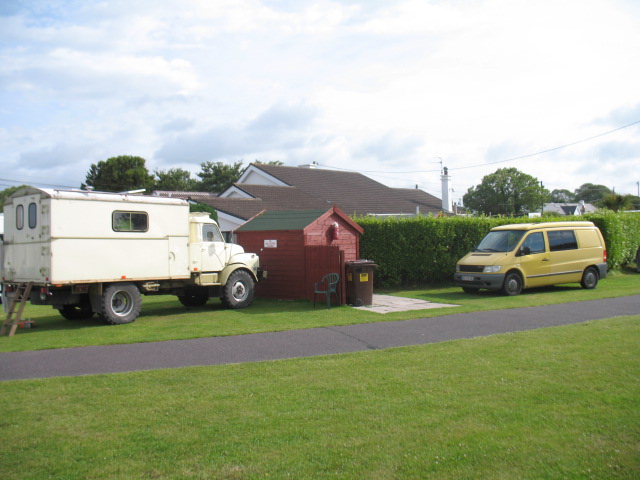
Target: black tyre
(194,297)
(81,311)
(120,303)
(239,290)
(512,284)
(590,278)
(470,289)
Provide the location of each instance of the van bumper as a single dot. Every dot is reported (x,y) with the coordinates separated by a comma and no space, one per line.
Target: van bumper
(490,281)
(602,269)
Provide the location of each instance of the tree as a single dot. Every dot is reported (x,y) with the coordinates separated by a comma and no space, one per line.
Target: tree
(120,174)
(271,162)
(506,192)
(176,180)
(4,194)
(562,196)
(217,177)
(591,193)
(617,202)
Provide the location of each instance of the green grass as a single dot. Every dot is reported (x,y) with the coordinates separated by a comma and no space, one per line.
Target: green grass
(164,318)
(555,403)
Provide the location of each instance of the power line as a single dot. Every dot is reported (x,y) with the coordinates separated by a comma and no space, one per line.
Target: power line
(497,161)
(550,149)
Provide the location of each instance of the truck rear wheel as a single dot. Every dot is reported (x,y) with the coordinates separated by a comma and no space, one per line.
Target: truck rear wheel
(80,311)
(194,297)
(120,303)
(239,290)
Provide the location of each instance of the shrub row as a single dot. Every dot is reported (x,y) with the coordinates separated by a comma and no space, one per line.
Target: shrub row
(425,249)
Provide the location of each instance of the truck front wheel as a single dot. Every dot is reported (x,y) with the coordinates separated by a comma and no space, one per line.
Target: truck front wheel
(120,303)
(239,290)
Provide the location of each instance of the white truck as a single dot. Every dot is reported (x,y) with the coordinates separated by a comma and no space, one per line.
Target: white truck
(92,253)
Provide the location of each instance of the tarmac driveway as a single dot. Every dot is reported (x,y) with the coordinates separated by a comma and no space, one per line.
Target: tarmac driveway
(303,343)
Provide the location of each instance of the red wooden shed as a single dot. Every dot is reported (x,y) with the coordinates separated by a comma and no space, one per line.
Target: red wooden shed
(298,247)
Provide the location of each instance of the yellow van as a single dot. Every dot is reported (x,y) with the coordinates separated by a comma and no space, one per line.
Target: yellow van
(513,257)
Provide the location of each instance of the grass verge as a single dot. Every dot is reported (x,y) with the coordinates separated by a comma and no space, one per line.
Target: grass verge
(164,318)
(555,403)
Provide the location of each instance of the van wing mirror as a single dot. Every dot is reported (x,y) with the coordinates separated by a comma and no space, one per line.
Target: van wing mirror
(524,251)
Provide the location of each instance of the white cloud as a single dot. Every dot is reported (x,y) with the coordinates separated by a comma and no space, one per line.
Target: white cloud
(380,86)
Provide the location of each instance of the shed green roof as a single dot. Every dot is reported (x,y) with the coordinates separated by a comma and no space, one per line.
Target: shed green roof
(281,220)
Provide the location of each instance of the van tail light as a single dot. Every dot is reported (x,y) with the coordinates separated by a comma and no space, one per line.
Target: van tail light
(604,256)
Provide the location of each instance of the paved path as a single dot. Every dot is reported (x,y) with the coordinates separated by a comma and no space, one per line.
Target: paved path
(302,343)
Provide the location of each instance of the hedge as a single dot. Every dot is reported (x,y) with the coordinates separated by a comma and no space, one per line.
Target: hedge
(425,249)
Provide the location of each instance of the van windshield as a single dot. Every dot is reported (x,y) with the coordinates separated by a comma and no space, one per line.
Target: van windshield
(500,241)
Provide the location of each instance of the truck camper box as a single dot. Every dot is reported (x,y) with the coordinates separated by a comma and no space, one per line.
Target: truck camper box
(63,237)
(79,246)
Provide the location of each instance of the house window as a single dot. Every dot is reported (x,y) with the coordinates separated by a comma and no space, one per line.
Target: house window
(20,217)
(33,215)
(130,221)
(562,240)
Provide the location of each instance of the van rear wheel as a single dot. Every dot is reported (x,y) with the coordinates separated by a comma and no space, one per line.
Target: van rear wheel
(589,278)
(512,284)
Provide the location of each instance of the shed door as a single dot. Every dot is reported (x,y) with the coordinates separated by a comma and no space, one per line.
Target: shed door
(320,260)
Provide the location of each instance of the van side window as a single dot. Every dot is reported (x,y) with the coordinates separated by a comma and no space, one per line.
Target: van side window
(130,221)
(33,215)
(562,240)
(535,242)
(20,217)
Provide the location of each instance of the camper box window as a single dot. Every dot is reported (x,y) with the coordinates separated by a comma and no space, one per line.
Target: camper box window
(33,215)
(20,217)
(130,221)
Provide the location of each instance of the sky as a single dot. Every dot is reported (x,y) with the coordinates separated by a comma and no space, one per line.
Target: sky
(395,90)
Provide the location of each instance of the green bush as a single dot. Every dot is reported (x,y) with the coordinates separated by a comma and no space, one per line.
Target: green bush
(621,232)
(425,249)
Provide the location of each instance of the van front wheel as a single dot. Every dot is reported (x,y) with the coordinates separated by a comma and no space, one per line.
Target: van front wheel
(512,284)
(589,278)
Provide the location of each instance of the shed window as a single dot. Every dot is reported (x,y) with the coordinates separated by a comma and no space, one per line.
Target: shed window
(130,221)
(562,240)
(33,215)
(20,217)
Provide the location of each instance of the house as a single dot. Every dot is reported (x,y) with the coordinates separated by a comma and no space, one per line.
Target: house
(579,208)
(275,187)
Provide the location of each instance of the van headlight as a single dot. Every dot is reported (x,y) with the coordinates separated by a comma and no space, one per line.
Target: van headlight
(492,269)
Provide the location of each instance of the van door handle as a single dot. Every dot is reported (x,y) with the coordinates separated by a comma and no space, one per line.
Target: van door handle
(545,259)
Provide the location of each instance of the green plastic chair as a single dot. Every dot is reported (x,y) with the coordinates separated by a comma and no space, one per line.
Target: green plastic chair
(331,281)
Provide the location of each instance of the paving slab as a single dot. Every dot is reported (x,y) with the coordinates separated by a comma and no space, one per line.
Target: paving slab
(303,343)
(388,304)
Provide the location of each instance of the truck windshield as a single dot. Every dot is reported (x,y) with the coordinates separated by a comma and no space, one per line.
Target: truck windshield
(500,241)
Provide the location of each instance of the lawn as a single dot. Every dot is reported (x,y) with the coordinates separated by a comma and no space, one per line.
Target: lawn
(555,403)
(164,318)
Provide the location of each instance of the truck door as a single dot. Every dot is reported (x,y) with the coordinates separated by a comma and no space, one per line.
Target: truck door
(213,249)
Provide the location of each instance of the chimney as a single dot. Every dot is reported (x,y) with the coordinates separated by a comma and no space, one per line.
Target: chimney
(309,165)
(446,190)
